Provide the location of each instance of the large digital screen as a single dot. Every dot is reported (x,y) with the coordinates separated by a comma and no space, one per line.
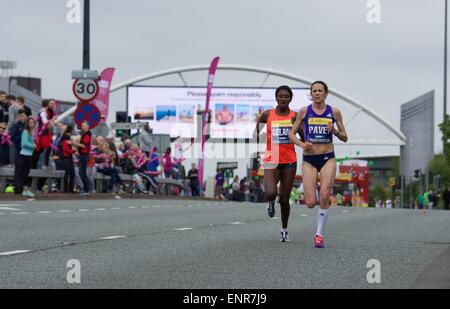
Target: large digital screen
(234,111)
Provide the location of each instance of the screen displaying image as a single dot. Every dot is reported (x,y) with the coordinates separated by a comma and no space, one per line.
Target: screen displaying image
(147,113)
(167,113)
(242,113)
(186,113)
(224,114)
(234,111)
(257,111)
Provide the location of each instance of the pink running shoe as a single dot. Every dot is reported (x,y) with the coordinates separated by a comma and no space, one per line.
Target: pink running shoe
(318,242)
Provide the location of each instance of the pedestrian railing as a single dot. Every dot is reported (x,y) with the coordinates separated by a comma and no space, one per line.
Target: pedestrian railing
(35,174)
(166,186)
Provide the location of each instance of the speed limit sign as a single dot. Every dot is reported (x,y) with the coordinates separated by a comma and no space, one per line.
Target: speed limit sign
(85,89)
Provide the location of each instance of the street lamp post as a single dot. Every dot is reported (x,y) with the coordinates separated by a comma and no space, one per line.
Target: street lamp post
(445,65)
(86,35)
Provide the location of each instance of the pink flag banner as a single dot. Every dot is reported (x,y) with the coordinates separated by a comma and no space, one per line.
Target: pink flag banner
(102,100)
(211,76)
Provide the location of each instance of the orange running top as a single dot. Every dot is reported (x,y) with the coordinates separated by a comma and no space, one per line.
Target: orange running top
(279,148)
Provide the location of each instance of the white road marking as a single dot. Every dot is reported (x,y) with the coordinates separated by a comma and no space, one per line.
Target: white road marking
(116,208)
(305,215)
(156,206)
(14,252)
(112,237)
(131,207)
(275,218)
(9,208)
(145,207)
(64,211)
(236,223)
(10,205)
(83,210)
(1,214)
(183,229)
(44,212)
(101,209)
(20,213)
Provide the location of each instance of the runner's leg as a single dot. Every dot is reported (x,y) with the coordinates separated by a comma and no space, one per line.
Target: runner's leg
(287,180)
(310,176)
(271,179)
(327,176)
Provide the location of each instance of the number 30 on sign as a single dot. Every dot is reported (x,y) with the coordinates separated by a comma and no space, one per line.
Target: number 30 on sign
(85,89)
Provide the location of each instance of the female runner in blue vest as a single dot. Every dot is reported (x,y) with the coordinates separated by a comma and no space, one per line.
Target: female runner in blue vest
(319,163)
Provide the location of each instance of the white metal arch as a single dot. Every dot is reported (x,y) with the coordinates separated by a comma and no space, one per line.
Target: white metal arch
(236,67)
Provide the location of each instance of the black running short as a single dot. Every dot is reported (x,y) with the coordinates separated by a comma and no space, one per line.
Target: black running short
(318,161)
(280,167)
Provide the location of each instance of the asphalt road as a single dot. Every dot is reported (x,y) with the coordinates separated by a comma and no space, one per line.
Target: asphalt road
(204,244)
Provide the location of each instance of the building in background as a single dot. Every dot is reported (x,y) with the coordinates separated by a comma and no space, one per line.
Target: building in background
(417,123)
(27,87)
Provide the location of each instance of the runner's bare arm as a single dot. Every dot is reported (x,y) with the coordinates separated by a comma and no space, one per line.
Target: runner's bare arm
(260,124)
(340,133)
(294,118)
(295,129)
(300,131)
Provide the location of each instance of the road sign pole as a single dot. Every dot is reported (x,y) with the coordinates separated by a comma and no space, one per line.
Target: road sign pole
(410,194)
(402,188)
(86,35)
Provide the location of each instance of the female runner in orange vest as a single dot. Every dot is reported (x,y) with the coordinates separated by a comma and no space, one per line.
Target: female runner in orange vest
(280,160)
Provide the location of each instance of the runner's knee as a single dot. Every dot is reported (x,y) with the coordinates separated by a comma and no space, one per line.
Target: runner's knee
(324,195)
(271,195)
(311,202)
(284,200)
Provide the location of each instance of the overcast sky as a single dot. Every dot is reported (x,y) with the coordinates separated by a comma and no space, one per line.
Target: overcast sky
(381,65)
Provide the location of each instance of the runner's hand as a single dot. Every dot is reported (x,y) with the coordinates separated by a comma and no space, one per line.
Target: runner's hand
(307,146)
(330,127)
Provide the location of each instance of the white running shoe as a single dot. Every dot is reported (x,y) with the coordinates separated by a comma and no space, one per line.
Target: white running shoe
(284,236)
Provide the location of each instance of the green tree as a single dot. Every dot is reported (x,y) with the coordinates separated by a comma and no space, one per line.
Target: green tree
(395,166)
(440,165)
(380,192)
(445,129)
(411,192)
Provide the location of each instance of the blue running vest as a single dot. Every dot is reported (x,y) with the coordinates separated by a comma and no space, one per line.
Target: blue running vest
(316,126)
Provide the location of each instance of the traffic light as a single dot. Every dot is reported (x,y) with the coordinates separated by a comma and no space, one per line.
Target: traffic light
(399,182)
(122,117)
(417,174)
(392,182)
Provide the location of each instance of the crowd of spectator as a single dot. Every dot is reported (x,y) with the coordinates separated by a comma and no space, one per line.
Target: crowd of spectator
(38,141)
